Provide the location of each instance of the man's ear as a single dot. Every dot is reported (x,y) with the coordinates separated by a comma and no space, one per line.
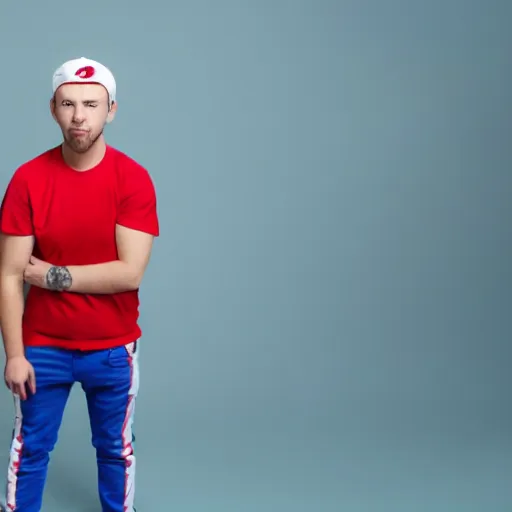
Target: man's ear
(112,112)
(52,108)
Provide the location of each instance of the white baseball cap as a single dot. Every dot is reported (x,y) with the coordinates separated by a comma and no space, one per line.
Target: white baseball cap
(83,70)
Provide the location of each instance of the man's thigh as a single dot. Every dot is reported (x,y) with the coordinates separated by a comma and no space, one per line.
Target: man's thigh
(110,379)
(41,414)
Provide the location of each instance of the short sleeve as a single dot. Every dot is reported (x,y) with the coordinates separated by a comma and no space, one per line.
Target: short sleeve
(16,211)
(138,206)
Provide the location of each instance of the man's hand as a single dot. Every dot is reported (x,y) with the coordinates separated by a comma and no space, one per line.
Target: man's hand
(36,271)
(19,373)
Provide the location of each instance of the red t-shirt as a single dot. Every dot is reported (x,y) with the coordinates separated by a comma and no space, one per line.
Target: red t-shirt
(72,216)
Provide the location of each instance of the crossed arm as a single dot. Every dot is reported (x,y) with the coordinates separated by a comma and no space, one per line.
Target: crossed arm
(125,274)
(17,265)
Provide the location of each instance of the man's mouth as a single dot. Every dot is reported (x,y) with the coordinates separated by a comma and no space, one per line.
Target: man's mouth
(78,131)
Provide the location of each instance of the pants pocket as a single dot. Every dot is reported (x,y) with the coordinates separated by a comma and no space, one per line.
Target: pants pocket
(120,357)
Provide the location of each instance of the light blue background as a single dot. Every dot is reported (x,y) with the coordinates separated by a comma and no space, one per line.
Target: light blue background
(327,311)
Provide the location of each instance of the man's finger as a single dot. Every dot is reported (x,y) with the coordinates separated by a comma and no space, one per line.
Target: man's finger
(19,389)
(32,381)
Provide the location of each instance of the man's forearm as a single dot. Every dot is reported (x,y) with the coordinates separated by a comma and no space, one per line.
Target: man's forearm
(12,303)
(102,278)
(122,275)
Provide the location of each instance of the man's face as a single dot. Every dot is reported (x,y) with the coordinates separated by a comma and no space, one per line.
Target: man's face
(81,111)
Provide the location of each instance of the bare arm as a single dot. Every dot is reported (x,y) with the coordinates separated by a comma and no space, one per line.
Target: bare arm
(15,253)
(125,274)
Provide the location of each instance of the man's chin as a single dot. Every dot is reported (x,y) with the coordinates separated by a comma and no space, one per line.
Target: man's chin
(79,147)
(81,144)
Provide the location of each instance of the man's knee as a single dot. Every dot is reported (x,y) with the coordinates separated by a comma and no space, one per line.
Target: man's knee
(114,448)
(32,448)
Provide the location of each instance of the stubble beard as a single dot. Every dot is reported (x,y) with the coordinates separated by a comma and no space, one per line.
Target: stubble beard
(81,145)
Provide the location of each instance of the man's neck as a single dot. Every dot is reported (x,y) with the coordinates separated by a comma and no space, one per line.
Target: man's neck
(85,161)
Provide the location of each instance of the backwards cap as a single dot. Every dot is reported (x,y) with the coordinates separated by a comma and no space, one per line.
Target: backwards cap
(85,71)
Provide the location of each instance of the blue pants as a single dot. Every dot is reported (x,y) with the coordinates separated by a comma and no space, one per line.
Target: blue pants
(110,380)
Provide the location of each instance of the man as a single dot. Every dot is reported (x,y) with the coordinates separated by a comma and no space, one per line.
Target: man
(77,223)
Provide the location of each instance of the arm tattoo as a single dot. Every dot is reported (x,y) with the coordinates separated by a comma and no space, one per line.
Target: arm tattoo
(58,279)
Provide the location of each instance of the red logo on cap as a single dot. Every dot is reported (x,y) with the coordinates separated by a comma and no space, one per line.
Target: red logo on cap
(85,72)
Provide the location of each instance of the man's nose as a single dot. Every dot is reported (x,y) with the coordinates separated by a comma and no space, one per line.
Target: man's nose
(78,115)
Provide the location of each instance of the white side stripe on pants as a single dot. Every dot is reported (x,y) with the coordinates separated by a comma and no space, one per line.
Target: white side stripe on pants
(15,456)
